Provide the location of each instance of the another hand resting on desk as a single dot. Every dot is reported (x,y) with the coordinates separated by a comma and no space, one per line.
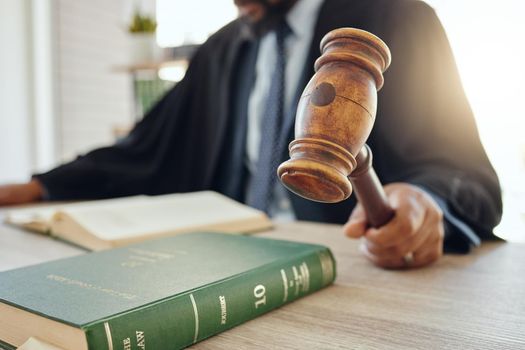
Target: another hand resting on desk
(416,228)
(21,193)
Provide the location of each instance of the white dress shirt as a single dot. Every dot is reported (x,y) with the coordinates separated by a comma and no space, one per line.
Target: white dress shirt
(301,18)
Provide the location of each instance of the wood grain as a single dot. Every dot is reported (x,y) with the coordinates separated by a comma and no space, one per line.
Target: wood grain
(471,301)
(474,301)
(335,115)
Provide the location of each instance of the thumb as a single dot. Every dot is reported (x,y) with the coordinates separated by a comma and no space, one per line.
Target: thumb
(356,224)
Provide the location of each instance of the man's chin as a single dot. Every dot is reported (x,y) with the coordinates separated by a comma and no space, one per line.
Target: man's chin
(262,26)
(252,11)
(261,16)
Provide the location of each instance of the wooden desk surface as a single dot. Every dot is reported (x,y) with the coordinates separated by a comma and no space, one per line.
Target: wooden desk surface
(475,301)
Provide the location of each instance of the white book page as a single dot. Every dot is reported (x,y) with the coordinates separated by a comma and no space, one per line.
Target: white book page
(45,212)
(26,216)
(160,214)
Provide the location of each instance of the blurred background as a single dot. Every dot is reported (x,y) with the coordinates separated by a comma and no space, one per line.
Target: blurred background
(78,74)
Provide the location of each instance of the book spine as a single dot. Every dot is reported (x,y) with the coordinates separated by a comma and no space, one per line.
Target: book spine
(5,346)
(187,318)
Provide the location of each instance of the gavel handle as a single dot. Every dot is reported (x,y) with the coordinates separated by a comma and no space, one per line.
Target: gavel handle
(369,190)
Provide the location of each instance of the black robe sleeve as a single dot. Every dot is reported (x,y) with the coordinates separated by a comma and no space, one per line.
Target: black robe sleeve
(144,162)
(425,133)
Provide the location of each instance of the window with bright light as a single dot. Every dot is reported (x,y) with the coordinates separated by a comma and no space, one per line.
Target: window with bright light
(184,22)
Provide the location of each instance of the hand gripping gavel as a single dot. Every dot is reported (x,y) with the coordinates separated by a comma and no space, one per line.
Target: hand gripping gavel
(334,118)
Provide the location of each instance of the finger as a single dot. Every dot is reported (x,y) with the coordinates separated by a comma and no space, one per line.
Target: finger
(382,261)
(420,258)
(409,216)
(411,243)
(356,225)
(431,250)
(426,248)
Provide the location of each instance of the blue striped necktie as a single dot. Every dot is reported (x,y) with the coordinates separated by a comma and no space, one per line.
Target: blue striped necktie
(261,188)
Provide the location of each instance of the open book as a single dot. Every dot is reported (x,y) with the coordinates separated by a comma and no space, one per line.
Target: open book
(110,223)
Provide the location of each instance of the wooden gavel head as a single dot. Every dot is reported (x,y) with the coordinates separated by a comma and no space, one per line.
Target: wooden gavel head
(335,115)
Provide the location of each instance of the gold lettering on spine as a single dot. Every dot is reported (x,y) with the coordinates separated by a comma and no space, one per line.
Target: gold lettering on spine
(224,312)
(259,292)
(141,340)
(285,285)
(306,277)
(127,343)
(108,335)
(196,313)
(327,267)
(297,279)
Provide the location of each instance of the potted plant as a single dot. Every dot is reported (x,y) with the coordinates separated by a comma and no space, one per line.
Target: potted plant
(143,47)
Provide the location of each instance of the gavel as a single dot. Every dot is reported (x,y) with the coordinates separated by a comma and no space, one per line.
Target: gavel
(335,116)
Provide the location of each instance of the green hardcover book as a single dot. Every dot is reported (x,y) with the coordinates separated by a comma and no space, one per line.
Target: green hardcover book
(162,294)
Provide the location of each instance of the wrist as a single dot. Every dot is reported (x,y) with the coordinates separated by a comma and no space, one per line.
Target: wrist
(35,190)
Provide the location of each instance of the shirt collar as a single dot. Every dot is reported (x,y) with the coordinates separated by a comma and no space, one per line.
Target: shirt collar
(302,16)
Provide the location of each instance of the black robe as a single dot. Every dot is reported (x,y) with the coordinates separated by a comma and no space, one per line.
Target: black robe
(424,133)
